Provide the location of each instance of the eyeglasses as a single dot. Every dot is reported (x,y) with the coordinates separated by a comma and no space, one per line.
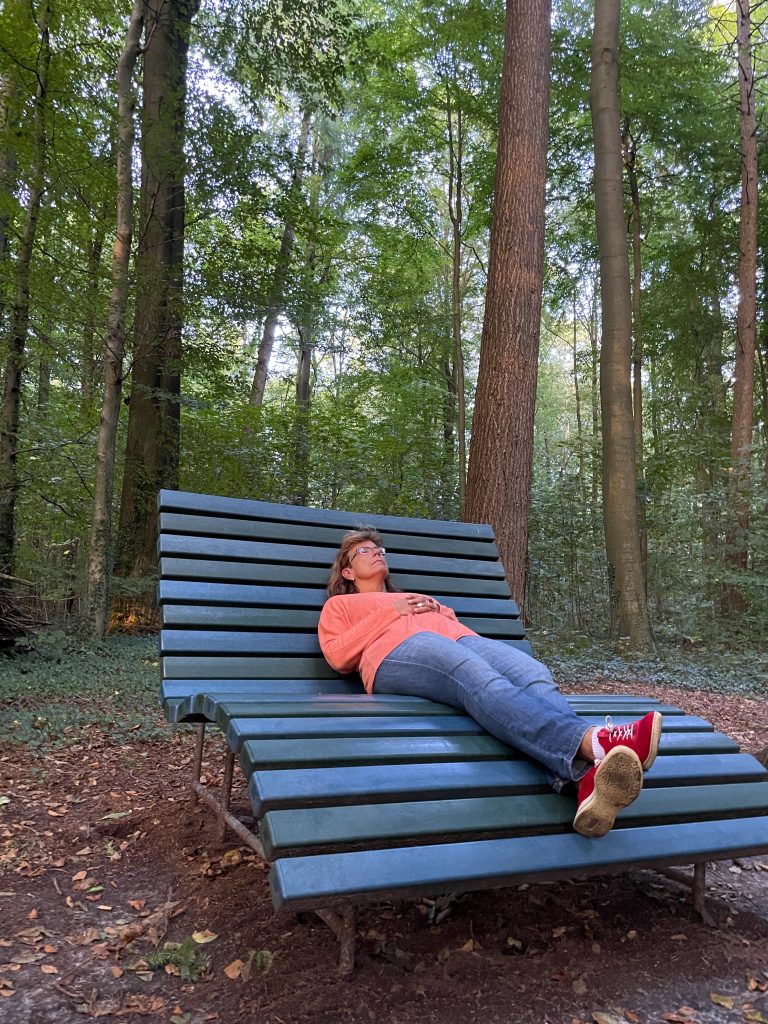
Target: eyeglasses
(370,552)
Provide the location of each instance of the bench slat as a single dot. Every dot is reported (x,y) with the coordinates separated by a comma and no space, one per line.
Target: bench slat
(346,750)
(196,667)
(305,575)
(244,595)
(282,788)
(292,831)
(356,725)
(284,619)
(295,533)
(174,545)
(211,504)
(313,881)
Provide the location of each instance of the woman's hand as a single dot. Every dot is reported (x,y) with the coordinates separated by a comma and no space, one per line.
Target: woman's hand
(415,604)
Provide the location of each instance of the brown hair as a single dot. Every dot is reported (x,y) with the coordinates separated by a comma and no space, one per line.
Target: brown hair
(338,584)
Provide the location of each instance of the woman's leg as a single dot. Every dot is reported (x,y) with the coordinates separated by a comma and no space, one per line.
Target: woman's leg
(526,711)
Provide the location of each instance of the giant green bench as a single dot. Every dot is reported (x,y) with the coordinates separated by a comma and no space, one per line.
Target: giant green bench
(358,797)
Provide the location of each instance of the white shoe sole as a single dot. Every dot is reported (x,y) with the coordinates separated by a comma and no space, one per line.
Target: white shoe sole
(618,781)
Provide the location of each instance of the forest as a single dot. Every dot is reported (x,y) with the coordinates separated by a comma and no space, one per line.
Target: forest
(365,256)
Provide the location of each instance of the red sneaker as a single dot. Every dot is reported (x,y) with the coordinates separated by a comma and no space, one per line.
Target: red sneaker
(641,736)
(607,787)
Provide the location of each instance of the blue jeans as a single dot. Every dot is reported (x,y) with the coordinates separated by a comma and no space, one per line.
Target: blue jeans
(506,691)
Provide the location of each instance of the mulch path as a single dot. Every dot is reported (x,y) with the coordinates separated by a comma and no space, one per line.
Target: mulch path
(103,860)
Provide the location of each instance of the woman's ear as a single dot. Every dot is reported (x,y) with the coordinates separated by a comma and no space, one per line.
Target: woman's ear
(348,573)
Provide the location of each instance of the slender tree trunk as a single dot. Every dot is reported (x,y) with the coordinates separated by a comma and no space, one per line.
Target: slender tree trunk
(577,397)
(630,162)
(501,455)
(455,211)
(619,497)
(594,395)
(100,548)
(8,120)
(88,369)
(276,298)
(19,326)
(303,399)
(746,319)
(152,446)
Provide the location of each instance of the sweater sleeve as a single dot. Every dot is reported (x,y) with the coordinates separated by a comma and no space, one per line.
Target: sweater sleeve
(343,644)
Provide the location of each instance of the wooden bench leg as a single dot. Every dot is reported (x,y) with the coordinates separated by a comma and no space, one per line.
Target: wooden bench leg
(343,923)
(198,762)
(226,792)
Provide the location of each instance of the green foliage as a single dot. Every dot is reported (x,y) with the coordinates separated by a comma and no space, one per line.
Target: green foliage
(187,956)
(58,690)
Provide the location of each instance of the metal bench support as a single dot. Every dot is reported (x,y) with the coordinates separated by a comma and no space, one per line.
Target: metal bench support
(198,762)
(343,923)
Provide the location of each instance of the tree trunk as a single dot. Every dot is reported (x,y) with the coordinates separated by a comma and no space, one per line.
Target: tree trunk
(88,369)
(276,298)
(619,498)
(746,320)
(630,162)
(501,454)
(303,376)
(100,548)
(152,446)
(577,399)
(455,211)
(19,326)
(8,120)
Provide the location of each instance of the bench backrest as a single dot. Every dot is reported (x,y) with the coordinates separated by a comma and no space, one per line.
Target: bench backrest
(242,582)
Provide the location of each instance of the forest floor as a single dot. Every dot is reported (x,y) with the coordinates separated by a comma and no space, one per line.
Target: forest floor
(103,861)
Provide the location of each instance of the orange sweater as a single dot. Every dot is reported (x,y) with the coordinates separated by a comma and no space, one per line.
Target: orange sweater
(358,631)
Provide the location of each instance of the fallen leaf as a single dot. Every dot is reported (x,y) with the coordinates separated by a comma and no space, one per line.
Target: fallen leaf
(726,1001)
(204,936)
(27,958)
(49,969)
(632,1017)
(601,1017)
(6,942)
(231,859)
(680,937)
(4,800)
(115,971)
(79,876)
(115,815)
(32,915)
(263,960)
(233,970)
(48,948)
(7,991)
(755,1015)
(579,987)
(752,984)
(137,904)
(468,946)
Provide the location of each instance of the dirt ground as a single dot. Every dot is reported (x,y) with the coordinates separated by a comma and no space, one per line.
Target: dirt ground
(103,861)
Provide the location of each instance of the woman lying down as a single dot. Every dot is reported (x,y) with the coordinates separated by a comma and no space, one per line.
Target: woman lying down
(411,644)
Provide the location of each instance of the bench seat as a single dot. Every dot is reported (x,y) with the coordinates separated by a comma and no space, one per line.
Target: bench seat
(361,796)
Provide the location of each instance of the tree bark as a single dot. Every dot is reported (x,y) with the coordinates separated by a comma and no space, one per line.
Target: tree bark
(455,212)
(152,446)
(619,494)
(100,548)
(630,162)
(19,325)
(746,320)
(276,300)
(88,369)
(501,452)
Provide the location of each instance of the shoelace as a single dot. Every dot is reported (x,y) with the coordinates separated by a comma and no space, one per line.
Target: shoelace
(619,732)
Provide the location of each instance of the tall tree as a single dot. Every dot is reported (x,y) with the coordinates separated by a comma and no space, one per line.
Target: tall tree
(100,548)
(19,319)
(276,298)
(746,316)
(501,452)
(619,495)
(152,445)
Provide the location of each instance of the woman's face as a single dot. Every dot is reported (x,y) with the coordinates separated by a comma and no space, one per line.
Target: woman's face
(366,567)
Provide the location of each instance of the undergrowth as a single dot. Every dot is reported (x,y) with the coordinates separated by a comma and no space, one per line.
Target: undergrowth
(697,666)
(56,689)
